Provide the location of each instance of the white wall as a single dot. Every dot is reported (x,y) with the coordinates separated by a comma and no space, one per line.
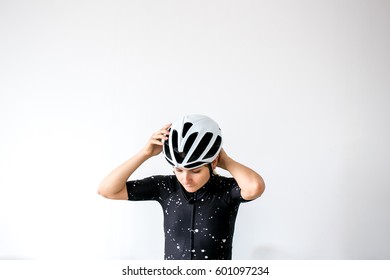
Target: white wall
(300,89)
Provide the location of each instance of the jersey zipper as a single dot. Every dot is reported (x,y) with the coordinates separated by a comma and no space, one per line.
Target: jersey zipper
(192,230)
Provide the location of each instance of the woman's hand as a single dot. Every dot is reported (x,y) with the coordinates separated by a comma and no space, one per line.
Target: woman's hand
(114,185)
(250,182)
(223,159)
(156,141)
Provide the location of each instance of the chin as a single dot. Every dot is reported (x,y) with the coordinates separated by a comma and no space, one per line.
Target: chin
(191,189)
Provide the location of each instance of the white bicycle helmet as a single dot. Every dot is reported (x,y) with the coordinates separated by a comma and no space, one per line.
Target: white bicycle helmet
(194,140)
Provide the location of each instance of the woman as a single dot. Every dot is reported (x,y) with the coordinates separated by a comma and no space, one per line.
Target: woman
(199,207)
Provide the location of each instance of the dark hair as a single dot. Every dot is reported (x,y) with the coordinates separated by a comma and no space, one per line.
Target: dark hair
(210,169)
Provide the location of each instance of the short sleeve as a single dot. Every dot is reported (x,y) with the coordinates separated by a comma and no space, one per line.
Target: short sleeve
(236,194)
(233,190)
(143,189)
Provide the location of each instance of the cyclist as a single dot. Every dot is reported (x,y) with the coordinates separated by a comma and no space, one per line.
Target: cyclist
(199,206)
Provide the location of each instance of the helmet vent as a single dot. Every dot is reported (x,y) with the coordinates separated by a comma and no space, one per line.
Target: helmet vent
(214,148)
(174,136)
(201,146)
(167,152)
(190,142)
(186,127)
(179,156)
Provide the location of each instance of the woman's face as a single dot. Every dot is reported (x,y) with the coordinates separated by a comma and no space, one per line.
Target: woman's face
(193,179)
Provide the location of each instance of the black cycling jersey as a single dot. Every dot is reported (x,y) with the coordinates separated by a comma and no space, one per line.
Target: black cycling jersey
(197,225)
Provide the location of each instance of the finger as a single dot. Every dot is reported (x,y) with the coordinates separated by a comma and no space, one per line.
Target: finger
(159,137)
(156,142)
(168,125)
(165,129)
(163,133)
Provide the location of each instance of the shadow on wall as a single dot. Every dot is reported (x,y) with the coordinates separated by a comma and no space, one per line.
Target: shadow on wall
(270,253)
(14,258)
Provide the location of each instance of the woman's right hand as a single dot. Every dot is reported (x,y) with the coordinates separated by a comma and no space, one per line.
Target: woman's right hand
(156,141)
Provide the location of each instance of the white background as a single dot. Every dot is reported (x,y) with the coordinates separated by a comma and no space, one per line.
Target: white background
(299,88)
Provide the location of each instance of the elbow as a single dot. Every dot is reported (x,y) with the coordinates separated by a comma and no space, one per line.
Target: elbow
(260,189)
(101,191)
(107,191)
(255,191)
(104,194)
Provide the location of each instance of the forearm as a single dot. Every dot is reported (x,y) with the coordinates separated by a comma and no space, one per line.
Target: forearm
(250,182)
(115,182)
(114,185)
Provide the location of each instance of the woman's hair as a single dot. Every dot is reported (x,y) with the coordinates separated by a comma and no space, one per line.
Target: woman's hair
(212,171)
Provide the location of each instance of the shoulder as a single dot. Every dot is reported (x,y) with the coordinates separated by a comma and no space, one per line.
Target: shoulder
(224,185)
(228,186)
(223,182)
(155,179)
(156,187)
(166,184)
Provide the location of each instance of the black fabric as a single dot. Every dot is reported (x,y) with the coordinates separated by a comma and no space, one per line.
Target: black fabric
(198,226)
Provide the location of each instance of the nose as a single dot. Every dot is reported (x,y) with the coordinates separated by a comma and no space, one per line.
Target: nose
(186,178)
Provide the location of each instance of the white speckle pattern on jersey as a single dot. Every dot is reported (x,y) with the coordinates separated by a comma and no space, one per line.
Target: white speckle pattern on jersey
(197,228)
